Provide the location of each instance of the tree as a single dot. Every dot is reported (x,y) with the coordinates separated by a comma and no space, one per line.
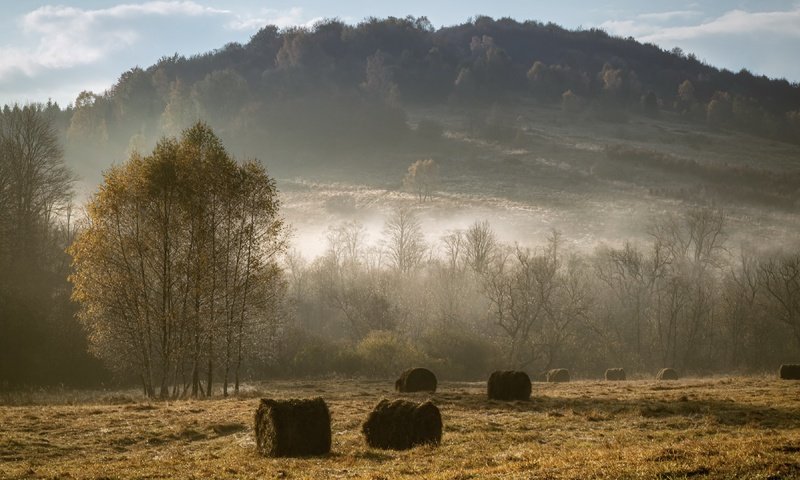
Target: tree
(176,265)
(39,341)
(686,97)
(720,109)
(481,246)
(520,287)
(220,95)
(88,123)
(404,241)
(379,82)
(422,178)
(780,278)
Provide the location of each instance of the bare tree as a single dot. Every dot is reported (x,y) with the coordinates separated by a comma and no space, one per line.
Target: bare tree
(404,241)
(35,185)
(780,277)
(520,286)
(481,245)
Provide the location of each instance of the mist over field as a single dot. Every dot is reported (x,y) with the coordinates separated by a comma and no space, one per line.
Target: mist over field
(319,209)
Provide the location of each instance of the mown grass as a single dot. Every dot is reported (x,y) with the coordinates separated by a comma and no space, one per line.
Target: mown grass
(694,428)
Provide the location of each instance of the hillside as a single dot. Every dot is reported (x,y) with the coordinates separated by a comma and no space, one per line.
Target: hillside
(525,116)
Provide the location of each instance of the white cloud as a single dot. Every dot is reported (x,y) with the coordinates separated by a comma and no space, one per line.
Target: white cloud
(67,36)
(669,16)
(736,22)
(280,18)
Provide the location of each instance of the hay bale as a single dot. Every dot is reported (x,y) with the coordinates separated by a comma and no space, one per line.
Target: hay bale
(400,425)
(790,372)
(615,374)
(509,385)
(667,374)
(558,375)
(416,380)
(293,428)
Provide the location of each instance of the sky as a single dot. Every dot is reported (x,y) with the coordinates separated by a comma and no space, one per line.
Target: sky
(54,50)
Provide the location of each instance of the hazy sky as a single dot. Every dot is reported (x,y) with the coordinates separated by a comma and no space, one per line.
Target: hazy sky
(55,50)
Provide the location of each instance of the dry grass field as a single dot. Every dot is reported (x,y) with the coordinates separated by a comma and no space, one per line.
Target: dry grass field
(693,428)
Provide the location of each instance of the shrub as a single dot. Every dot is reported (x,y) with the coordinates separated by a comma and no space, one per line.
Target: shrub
(460,354)
(384,353)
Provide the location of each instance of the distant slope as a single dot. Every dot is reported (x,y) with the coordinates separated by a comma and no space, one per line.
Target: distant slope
(520,112)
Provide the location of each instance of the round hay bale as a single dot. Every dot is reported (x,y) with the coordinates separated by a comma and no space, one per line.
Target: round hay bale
(509,385)
(558,375)
(667,374)
(416,380)
(790,371)
(615,374)
(400,425)
(293,428)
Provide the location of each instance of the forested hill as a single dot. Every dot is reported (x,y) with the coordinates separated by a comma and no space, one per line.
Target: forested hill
(347,84)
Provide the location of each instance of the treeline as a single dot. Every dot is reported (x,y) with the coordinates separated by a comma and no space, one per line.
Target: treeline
(41,341)
(467,304)
(346,85)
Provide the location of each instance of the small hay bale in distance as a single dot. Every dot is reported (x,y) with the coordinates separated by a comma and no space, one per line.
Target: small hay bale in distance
(400,425)
(558,375)
(416,380)
(789,371)
(293,428)
(509,385)
(615,374)
(667,374)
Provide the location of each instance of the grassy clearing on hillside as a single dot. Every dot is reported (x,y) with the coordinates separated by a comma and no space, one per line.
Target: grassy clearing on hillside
(695,428)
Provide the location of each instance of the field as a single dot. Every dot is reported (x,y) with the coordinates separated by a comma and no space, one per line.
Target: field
(739,427)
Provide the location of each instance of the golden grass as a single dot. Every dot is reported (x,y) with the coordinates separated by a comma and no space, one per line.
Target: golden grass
(693,428)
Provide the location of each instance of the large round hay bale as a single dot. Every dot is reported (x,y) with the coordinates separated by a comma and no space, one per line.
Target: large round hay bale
(615,374)
(509,385)
(400,425)
(416,380)
(667,374)
(558,375)
(790,372)
(293,428)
